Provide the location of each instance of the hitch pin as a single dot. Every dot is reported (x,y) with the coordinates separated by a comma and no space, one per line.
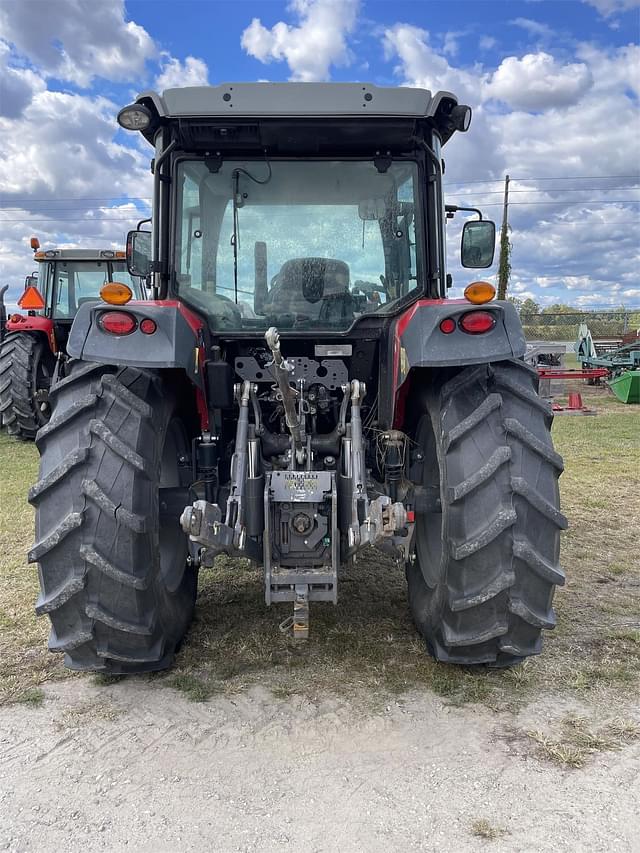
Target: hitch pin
(286,625)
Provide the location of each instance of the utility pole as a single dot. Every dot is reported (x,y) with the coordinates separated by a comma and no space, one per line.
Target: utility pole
(504,270)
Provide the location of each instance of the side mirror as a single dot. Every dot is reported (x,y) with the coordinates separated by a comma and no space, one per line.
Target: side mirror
(139,253)
(478,244)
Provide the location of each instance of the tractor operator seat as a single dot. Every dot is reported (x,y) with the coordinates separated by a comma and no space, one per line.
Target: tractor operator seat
(303,284)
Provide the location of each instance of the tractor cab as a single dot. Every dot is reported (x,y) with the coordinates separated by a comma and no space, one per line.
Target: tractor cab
(69,278)
(65,280)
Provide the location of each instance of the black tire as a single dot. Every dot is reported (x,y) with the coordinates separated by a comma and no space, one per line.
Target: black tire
(114,576)
(485,570)
(26,369)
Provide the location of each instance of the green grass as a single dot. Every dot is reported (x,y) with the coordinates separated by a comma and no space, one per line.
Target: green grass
(33,696)
(25,662)
(482,828)
(576,741)
(367,645)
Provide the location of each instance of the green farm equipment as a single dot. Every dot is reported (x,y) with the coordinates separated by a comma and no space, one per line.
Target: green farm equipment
(622,363)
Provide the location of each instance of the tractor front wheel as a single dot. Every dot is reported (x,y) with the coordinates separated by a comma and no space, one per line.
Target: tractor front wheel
(26,368)
(114,575)
(485,568)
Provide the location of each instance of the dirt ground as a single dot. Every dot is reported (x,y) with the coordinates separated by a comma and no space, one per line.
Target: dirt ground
(356,741)
(140,768)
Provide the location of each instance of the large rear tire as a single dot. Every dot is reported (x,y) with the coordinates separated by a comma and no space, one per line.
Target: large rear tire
(114,575)
(486,566)
(26,368)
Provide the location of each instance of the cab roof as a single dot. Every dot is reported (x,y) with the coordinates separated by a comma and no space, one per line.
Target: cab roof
(352,110)
(296,99)
(79,255)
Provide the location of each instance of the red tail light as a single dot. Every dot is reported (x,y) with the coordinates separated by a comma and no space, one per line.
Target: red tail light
(477,322)
(117,322)
(147,326)
(447,326)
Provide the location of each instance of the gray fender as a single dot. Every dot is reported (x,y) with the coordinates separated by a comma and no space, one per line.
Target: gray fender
(419,342)
(177,341)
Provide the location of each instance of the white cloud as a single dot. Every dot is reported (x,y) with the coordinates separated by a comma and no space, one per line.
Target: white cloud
(421,65)
(61,176)
(569,240)
(193,72)
(537,81)
(17,86)
(612,7)
(77,40)
(66,168)
(451,43)
(534,28)
(73,152)
(613,71)
(312,46)
(487,42)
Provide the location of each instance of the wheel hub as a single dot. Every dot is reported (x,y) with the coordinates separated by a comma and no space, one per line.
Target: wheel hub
(41,398)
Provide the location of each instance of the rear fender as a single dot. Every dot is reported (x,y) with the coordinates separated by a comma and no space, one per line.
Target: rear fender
(178,341)
(416,341)
(35,324)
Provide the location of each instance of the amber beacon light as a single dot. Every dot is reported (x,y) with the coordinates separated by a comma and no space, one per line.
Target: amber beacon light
(116,293)
(479,292)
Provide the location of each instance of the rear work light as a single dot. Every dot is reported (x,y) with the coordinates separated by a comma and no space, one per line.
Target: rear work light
(477,322)
(117,322)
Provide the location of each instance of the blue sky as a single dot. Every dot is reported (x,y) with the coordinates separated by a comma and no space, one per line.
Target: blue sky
(554,87)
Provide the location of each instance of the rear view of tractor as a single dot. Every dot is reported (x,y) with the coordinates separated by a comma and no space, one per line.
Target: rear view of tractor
(35,339)
(298,389)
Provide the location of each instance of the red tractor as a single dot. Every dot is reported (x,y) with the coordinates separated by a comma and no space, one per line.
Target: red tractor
(35,339)
(299,388)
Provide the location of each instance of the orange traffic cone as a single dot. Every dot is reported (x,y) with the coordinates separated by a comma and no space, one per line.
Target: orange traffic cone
(575,401)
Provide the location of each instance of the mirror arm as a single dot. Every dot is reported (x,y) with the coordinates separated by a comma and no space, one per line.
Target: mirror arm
(453,208)
(142,222)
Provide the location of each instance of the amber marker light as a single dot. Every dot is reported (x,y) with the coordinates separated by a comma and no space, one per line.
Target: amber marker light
(479,292)
(116,293)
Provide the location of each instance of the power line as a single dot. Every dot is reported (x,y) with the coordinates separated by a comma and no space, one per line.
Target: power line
(558,178)
(71,209)
(577,201)
(451,183)
(75,207)
(554,190)
(459,195)
(53,220)
(87,198)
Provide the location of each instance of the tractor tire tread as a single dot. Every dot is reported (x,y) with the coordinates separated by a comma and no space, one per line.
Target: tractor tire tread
(491,594)
(101,577)
(19,355)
